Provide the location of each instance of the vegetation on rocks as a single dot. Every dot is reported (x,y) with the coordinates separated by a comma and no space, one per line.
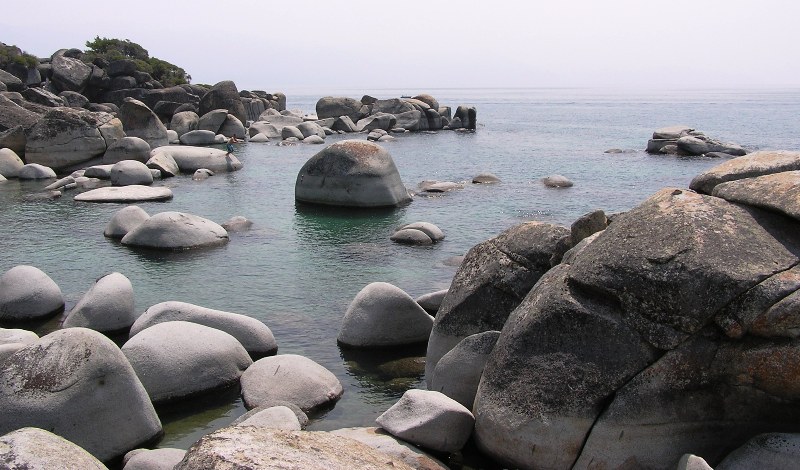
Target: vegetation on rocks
(117,49)
(13,54)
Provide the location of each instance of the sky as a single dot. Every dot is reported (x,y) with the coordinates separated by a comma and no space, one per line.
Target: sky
(302,45)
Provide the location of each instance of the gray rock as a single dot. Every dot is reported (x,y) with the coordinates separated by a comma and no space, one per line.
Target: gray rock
(17,336)
(291,131)
(773,451)
(692,462)
(439,186)
(751,165)
(121,67)
(139,121)
(344,124)
(14,138)
(275,417)
(72,374)
(43,97)
(177,359)
(334,107)
(264,448)
(384,442)
(9,349)
(223,95)
(254,335)
(127,148)
(779,192)
(202,174)
(34,171)
(164,163)
(153,459)
(467,116)
(301,417)
(10,163)
(213,120)
(198,137)
(69,74)
(376,121)
(700,145)
(431,230)
(571,255)
(108,306)
(132,193)
(557,181)
(432,301)
(111,130)
(429,419)
(102,172)
(292,378)
(64,137)
(486,178)
(185,121)
(60,183)
(674,132)
(458,372)
(27,293)
(411,236)
(125,220)
(74,99)
(12,115)
(190,159)
(130,172)
(391,106)
(259,138)
(11,82)
(307,129)
(265,128)
(409,120)
(176,231)
(232,127)
(351,173)
(665,146)
(314,140)
(429,100)
(492,280)
(33,448)
(383,315)
(588,224)
(666,282)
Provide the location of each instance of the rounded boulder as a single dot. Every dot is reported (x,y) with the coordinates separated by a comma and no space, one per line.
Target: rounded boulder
(190,159)
(351,173)
(458,372)
(254,335)
(383,315)
(292,378)
(557,181)
(107,307)
(10,163)
(153,459)
(176,231)
(34,448)
(127,148)
(131,172)
(177,359)
(77,384)
(27,293)
(125,220)
(35,171)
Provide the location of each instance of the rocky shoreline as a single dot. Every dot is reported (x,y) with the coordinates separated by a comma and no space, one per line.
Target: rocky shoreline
(664,337)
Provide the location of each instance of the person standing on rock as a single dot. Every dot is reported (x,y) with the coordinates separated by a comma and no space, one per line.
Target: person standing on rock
(231,141)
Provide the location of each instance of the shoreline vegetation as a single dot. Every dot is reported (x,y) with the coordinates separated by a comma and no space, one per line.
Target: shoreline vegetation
(661,337)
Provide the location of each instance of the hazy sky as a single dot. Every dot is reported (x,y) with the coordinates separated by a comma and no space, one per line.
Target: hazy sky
(298,45)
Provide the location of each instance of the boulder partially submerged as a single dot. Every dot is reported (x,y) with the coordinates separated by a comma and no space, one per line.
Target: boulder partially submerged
(190,159)
(351,173)
(176,231)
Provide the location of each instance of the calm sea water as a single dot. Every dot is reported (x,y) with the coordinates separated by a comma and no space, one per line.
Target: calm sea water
(299,267)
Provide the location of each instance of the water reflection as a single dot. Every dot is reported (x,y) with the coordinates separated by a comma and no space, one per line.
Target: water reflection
(388,372)
(187,421)
(335,225)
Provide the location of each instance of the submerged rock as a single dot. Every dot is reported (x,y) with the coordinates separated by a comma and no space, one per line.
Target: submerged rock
(132,193)
(557,181)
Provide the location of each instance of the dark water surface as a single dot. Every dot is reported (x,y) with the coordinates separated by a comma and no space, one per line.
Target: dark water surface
(299,267)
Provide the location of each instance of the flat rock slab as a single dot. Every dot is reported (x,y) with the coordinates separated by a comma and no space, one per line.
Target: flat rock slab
(240,447)
(778,192)
(749,166)
(132,193)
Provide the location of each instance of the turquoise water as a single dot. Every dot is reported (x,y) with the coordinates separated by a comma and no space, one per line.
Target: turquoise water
(299,267)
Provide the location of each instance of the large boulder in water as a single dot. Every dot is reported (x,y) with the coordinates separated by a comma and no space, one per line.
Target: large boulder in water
(254,335)
(190,159)
(240,447)
(131,172)
(33,449)
(334,107)
(65,137)
(351,173)
(383,315)
(176,231)
(292,378)
(671,333)
(125,220)
(107,307)
(77,384)
(178,359)
(223,95)
(27,293)
(492,280)
(139,121)
(10,163)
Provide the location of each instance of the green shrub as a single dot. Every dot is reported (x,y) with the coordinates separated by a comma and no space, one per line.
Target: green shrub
(116,49)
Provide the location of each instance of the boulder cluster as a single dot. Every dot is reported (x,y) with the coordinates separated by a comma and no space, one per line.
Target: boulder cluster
(684,140)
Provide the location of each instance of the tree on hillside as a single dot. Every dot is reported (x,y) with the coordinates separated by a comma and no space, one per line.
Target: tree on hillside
(116,49)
